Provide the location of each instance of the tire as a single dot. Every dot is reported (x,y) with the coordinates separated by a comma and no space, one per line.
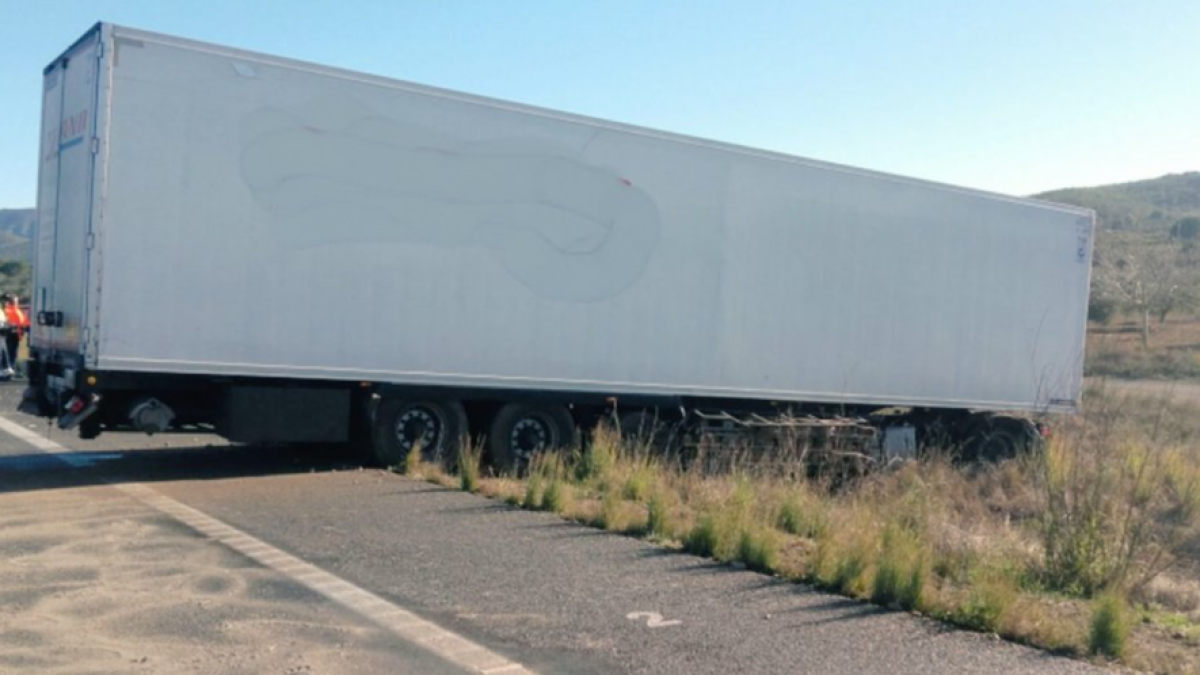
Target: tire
(399,424)
(995,439)
(521,430)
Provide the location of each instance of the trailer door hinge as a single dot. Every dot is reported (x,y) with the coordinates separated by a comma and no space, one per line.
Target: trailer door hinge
(87,339)
(95,144)
(90,242)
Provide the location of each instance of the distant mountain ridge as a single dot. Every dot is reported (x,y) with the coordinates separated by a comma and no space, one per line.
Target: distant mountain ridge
(1152,205)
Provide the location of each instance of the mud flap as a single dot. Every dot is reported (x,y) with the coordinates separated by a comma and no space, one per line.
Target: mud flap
(78,409)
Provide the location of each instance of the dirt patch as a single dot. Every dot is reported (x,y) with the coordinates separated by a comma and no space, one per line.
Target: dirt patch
(92,581)
(1171,390)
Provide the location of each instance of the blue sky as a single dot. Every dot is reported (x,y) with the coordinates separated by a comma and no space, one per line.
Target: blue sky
(1014,96)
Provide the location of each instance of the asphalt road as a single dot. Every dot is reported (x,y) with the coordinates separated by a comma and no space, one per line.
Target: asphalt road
(552,596)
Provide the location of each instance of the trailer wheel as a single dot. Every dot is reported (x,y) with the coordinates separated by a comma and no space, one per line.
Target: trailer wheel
(401,424)
(995,439)
(519,431)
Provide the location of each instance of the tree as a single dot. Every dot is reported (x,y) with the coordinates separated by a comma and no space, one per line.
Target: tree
(1187,229)
(15,277)
(1148,278)
(1101,308)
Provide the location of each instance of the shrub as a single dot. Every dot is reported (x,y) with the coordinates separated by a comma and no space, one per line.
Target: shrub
(1116,511)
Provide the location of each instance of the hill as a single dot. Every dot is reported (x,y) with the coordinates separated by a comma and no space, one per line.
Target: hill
(1153,205)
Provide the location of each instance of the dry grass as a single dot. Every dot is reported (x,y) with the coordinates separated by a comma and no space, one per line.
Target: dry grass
(416,466)
(1116,350)
(508,490)
(1020,549)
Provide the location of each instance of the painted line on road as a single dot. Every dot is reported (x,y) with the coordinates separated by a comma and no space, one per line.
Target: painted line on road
(408,626)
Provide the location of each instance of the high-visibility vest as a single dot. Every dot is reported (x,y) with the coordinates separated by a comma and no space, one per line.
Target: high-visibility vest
(15,317)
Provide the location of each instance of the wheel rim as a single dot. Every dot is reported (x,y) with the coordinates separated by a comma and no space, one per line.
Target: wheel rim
(418,424)
(529,436)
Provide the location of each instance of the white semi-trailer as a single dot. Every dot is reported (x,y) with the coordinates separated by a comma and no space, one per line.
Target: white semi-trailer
(292,252)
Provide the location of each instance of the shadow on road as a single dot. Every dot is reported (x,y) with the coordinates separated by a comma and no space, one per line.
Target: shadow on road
(38,471)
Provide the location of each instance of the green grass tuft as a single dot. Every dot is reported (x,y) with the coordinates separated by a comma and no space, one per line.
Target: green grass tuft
(413,461)
(759,549)
(640,481)
(803,516)
(900,571)
(556,498)
(600,455)
(991,594)
(702,539)
(1109,627)
(849,571)
(660,522)
(534,491)
(469,455)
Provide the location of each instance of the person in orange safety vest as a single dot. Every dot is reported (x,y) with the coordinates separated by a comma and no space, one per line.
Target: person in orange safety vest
(16,325)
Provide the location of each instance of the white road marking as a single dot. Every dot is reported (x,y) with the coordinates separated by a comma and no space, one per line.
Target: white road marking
(403,623)
(653,619)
